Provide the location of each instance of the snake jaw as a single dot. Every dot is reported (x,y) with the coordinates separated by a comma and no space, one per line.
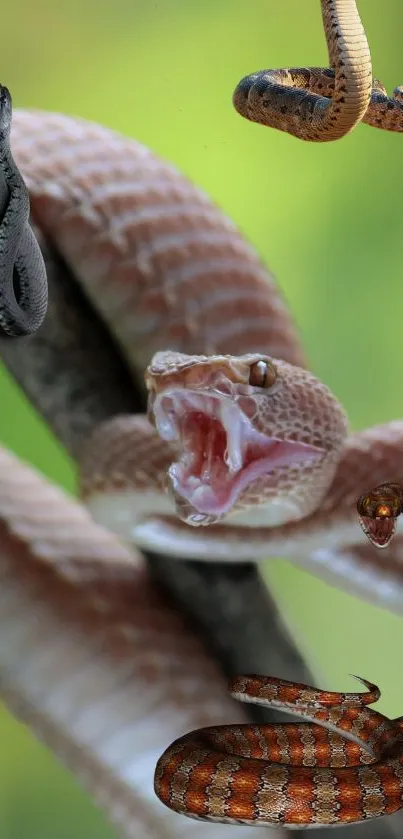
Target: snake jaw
(221,451)
(378,529)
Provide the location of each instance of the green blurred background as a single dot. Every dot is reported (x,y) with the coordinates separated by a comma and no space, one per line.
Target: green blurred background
(327,219)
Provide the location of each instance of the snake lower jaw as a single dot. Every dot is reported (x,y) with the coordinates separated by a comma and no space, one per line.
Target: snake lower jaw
(210,498)
(379,530)
(207,496)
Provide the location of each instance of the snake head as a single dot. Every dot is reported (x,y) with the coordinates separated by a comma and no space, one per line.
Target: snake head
(256,437)
(378,510)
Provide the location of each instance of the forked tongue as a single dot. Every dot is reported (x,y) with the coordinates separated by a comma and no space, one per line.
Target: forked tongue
(379,530)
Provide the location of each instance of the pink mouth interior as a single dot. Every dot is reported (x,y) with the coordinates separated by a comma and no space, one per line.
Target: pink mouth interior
(379,530)
(221,451)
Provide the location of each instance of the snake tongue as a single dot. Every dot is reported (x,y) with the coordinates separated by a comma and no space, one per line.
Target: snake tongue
(378,530)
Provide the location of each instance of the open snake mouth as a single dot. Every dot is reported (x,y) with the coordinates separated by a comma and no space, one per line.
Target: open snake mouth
(379,529)
(221,451)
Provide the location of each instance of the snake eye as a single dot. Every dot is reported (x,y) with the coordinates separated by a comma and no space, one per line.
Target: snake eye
(364,505)
(262,374)
(382,503)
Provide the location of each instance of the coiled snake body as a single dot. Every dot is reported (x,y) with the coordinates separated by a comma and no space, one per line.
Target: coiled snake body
(344,766)
(254,444)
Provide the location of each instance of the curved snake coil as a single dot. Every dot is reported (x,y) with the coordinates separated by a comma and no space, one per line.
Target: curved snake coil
(344,766)
(23,284)
(324,103)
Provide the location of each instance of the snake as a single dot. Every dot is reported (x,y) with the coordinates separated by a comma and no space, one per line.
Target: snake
(344,765)
(23,284)
(243,450)
(321,104)
(378,510)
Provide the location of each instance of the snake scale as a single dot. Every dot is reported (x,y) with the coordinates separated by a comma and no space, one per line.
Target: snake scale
(252,442)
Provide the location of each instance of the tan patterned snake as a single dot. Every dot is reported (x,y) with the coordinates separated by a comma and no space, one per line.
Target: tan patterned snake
(165,268)
(322,104)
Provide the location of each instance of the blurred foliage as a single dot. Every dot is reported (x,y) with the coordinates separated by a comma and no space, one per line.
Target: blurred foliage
(327,219)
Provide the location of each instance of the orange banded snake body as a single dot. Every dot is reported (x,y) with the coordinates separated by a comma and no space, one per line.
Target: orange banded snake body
(235,408)
(343,766)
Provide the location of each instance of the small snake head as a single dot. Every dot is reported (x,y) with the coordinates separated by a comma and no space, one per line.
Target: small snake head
(378,510)
(257,438)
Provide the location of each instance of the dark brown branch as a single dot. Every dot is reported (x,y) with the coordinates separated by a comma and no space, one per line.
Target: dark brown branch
(72,371)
